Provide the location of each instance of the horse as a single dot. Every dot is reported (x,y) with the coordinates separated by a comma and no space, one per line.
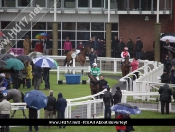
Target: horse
(17,97)
(125,66)
(81,58)
(94,85)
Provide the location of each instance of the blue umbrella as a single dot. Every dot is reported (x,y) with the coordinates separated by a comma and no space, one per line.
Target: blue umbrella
(125,108)
(44,34)
(44,62)
(36,99)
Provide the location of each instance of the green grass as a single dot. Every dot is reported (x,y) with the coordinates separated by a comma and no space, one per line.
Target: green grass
(145,114)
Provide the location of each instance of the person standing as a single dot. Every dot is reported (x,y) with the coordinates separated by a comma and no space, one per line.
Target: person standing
(46,46)
(165,97)
(29,75)
(67,46)
(92,57)
(15,79)
(165,77)
(91,43)
(33,115)
(39,46)
(22,77)
(61,105)
(121,46)
(27,45)
(167,63)
(96,46)
(134,66)
(49,110)
(117,97)
(114,50)
(164,50)
(46,77)
(130,46)
(37,74)
(138,48)
(5,108)
(123,127)
(108,102)
(102,83)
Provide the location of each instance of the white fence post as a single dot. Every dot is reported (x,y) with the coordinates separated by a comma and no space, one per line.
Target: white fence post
(69,112)
(58,74)
(115,66)
(155,64)
(146,66)
(66,111)
(89,110)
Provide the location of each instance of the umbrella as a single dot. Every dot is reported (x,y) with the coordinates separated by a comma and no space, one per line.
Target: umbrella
(55,65)
(2,63)
(38,36)
(170,48)
(170,38)
(7,56)
(23,58)
(14,64)
(125,108)
(36,99)
(35,54)
(43,62)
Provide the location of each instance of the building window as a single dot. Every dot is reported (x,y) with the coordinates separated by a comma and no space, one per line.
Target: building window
(98,35)
(83,3)
(41,3)
(113,4)
(23,2)
(97,26)
(49,25)
(51,4)
(114,26)
(69,3)
(83,35)
(39,25)
(83,26)
(71,35)
(8,3)
(68,25)
(7,25)
(97,3)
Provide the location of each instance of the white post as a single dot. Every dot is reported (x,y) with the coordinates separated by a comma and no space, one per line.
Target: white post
(73,65)
(58,74)
(55,10)
(145,66)
(89,110)
(157,21)
(95,110)
(115,66)
(69,112)
(109,2)
(66,112)
(38,113)
(155,64)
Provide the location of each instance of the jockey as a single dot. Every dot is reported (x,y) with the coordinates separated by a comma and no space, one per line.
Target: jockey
(3,82)
(95,71)
(80,46)
(124,54)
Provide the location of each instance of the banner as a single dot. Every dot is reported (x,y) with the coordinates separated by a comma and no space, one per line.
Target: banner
(88,122)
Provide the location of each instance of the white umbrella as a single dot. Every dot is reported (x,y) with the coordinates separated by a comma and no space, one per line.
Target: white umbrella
(44,62)
(170,38)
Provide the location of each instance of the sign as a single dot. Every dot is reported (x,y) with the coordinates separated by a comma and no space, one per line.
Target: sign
(17,51)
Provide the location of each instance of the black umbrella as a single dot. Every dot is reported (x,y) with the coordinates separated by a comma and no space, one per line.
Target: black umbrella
(24,58)
(6,56)
(2,63)
(170,48)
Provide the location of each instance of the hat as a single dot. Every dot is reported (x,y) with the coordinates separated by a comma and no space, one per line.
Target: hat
(126,48)
(94,64)
(51,91)
(117,88)
(2,75)
(165,70)
(138,37)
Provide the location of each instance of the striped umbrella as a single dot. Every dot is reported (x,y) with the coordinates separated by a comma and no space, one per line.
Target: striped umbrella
(44,62)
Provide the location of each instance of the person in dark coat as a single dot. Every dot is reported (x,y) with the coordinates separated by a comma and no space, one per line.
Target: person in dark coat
(117,98)
(165,77)
(33,115)
(172,78)
(15,79)
(108,102)
(61,105)
(167,63)
(102,83)
(121,46)
(130,46)
(114,47)
(165,97)
(128,128)
(96,46)
(138,48)
(91,43)
(49,110)
(37,74)
(92,57)
(46,77)
(165,51)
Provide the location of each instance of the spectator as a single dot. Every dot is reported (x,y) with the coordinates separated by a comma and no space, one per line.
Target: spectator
(130,46)
(114,50)
(134,66)
(33,115)
(108,102)
(5,108)
(172,78)
(128,128)
(123,127)
(39,46)
(165,97)
(95,71)
(117,98)
(121,46)
(102,84)
(29,75)
(37,75)
(96,46)
(61,105)
(100,48)
(92,57)
(67,46)
(104,45)
(46,76)
(27,45)
(49,110)
(167,63)
(46,46)
(22,77)
(91,43)
(15,79)
(165,51)
(138,48)
(165,77)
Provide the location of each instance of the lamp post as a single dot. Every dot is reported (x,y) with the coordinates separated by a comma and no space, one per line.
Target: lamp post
(55,30)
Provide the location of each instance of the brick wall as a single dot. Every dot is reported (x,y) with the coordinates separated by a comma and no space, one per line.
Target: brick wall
(133,26)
